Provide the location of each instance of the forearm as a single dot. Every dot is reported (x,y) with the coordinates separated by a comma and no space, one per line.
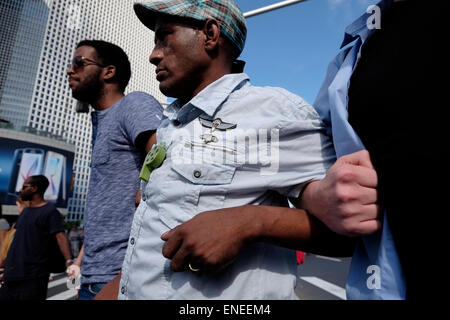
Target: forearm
(151,141)
(80,256)
(212,239)
(64,246)
(295,229)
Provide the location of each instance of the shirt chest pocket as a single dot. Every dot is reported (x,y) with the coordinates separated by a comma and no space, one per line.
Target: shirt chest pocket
(101,151)
(205,174)
(194,188)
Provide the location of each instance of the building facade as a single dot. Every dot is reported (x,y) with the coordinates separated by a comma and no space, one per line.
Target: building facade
(36,49)
(22,25)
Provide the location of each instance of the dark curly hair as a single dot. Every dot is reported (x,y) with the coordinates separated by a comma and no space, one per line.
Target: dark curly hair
(111,54)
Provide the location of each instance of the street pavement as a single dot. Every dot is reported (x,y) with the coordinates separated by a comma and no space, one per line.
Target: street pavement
(320,278)
(58,290)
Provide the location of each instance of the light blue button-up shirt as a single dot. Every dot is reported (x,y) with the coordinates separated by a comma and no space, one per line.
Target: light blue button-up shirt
(271,142)
(375,271)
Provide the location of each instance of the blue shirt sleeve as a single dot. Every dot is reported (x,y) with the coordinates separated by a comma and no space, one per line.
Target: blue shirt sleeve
(141,112)
(300,151)
(322,102)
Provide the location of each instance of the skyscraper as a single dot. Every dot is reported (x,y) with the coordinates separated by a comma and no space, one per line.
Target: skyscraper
(38,38)
(22,29)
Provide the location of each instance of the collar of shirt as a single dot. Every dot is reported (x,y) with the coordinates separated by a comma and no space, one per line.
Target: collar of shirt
(208,100)
(359,28)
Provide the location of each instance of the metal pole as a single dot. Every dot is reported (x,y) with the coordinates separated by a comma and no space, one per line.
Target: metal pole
(271,7)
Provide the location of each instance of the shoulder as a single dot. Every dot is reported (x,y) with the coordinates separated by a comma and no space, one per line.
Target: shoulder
(257,94)
(287,106)
(139,112)
(137,98)
(51,209)
(289,97)
(139,105)
(138,95)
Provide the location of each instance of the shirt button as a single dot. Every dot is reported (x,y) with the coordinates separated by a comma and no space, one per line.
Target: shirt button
(132,241)
(197,174)
(123,290)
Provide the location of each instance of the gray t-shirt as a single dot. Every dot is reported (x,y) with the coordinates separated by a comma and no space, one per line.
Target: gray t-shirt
(114,181)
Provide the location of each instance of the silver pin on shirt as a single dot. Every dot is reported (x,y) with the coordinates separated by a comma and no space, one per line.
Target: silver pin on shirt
(215,124)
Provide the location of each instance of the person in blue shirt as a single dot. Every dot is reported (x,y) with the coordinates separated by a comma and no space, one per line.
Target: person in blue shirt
(228,143)
(378,250)
(374,98)
(123,131)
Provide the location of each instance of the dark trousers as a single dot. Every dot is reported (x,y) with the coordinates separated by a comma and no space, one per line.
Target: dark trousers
(33,289)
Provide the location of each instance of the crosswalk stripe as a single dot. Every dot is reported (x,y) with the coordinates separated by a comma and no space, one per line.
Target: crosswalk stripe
(327,286)
(66,295)
(55,283)
(329,258)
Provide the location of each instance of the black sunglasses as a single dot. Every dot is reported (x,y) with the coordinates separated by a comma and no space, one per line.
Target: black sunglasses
(26,186)
(80,61)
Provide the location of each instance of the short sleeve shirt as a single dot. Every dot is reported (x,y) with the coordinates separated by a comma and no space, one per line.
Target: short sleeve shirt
(268,144)
(115,167)
(28,255)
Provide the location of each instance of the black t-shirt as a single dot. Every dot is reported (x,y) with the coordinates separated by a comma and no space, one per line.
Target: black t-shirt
(28,256)
(397,105)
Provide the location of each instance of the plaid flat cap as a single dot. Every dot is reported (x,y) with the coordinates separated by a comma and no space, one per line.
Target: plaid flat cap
(226,12)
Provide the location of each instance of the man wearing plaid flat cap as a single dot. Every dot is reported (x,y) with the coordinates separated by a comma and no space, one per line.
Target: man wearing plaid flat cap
(178,247)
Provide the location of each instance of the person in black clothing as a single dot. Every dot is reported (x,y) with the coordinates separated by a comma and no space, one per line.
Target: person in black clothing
(396,104)
(26,271)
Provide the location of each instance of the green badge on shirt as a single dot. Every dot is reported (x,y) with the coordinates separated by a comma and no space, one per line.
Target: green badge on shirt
(153,160)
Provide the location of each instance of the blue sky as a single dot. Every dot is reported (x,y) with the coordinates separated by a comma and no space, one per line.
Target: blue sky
(291,47)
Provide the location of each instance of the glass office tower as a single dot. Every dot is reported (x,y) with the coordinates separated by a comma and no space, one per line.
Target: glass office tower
(22,29)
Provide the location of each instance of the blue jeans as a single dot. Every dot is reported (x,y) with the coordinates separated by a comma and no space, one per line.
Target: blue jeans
(88,291)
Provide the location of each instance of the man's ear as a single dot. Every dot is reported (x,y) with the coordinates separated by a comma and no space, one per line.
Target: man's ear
(211,29)
(109,72)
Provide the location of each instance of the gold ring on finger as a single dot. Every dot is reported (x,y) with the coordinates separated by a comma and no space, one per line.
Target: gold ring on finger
(193,269)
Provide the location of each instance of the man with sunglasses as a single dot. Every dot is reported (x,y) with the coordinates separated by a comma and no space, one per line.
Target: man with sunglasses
(27,265)
(123,132)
